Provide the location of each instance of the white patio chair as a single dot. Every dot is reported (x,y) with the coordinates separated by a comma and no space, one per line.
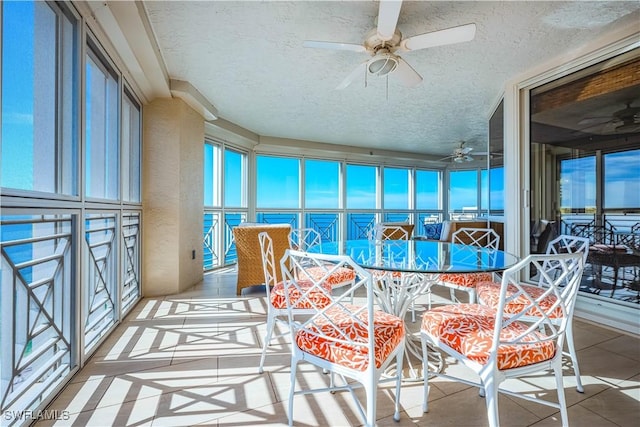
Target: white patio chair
(466,282)
(489,292)
(498,345)
(276,303)
(351,341)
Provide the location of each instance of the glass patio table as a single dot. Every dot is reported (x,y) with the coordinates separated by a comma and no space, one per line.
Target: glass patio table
(403,270)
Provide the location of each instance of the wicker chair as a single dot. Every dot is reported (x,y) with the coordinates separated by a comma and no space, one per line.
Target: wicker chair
(250,271)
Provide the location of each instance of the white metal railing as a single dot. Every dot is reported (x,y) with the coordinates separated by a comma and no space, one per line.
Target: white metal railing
(131,243)
(100,301)
(37,295)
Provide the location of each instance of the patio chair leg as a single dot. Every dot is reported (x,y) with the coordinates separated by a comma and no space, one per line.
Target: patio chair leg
(425,374)
(574,357)
(490,388)
(267,341)
(294,365)
(557,370)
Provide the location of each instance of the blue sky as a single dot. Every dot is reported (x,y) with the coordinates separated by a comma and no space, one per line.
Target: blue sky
(17,95)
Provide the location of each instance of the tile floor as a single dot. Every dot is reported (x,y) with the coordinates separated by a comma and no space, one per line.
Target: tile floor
(190,359)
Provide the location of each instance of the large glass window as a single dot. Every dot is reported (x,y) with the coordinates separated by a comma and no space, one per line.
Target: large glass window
(235,187)
(131,149)
(427,190)
(101,130)
(211,175)
(38,99)
(578,185)
(322,184)
(225,205)
(361,187)
(492,184)
(396,188)
(585,180)
(463,192)
(278,182)
(622,180)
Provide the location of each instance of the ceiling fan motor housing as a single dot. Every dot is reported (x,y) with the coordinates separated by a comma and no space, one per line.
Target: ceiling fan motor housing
(382,63)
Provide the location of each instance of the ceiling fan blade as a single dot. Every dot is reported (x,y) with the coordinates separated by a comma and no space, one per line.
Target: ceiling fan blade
(488,154)
(463,33)
(334,46)
(407,75)
(388,13)
(466,150)
(359,70)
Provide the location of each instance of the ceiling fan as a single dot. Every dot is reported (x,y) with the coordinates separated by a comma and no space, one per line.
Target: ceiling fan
(460,154)
(385,42)
(626,120)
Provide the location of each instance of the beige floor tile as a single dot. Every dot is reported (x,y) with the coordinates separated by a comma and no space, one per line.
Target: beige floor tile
(605,365)
(205,403)
(81,396)
(624,346)
(619,404)
(96,369)
(578,416)
(467,408)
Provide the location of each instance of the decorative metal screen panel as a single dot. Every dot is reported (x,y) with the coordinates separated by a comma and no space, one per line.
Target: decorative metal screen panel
(358,224)
(278,218)
(37,306)
(131,260)
(327,224)
(231,220)
(209,243)
(100,293)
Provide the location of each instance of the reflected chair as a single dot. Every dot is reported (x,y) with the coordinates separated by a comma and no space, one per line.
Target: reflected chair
(276,301)
(489,292)
(392,231)
(249,264)
(466,282)
(349,341)
(605,253)
(304,238)
(498,345)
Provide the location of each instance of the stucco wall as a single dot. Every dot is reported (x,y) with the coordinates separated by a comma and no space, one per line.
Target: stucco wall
(173,135)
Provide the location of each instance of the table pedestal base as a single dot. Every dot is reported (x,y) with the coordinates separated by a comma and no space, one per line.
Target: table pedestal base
(395,293)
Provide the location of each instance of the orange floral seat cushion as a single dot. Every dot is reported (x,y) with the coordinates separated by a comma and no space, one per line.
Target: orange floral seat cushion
(465,280)
(321,298)
(489,294)
(326,340)
(468,329)
(341,276)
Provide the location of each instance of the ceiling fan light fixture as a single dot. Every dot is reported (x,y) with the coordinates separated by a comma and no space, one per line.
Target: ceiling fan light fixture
(382,64)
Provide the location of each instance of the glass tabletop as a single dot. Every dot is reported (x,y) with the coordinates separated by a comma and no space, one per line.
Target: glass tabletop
(420,256)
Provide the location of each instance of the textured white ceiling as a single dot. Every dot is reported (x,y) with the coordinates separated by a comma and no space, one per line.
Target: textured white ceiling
(247,59)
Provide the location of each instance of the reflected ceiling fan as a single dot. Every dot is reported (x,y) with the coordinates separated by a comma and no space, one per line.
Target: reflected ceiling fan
(385,43)
(460,155)
(626,120)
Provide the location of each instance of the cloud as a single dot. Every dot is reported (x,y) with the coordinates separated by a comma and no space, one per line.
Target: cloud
(17,119)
